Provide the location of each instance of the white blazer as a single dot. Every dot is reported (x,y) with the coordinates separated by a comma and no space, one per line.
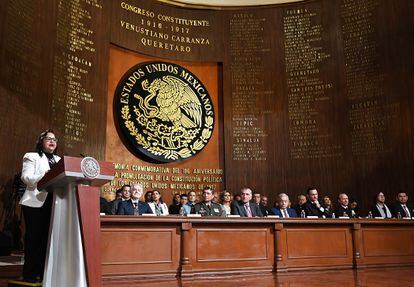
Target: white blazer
(163,207)
(34,168)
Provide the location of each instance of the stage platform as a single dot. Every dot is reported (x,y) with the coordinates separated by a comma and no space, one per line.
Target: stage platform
(384,277)
(137,248)
(181,251)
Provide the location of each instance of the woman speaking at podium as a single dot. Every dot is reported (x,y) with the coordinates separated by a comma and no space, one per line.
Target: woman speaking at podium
(37,205)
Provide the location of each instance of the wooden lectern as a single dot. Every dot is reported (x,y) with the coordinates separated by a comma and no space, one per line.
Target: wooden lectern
(73,257)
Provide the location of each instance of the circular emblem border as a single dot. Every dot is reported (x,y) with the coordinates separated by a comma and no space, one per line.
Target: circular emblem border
(133,135)
(90,167)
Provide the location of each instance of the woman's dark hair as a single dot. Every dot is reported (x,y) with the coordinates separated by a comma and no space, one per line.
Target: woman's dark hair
(39,142)
(223,193)
(161,200)
(376,196)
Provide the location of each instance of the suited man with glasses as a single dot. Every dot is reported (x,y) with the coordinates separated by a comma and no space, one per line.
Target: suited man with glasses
(244,207)
(283,209)
(133,206)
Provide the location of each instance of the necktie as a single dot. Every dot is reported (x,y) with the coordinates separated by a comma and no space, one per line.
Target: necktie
(407,213)
(51,161)
(248,211)
(285,213)
(136,212)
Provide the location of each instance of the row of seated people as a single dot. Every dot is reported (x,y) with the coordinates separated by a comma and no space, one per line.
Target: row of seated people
(309,206)
(248,204)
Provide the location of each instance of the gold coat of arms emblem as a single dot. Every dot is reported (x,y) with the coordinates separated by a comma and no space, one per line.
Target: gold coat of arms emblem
(163,112)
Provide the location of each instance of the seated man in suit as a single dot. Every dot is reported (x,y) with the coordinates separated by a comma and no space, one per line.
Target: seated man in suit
(244,207)
(183,207)
(301,204)
(174,207)
(257,198)
(283,209)
(264,208)
(124,193)
(402,208)
(104,206)
(343,209)
(134,206)
(312,206)
(207,207)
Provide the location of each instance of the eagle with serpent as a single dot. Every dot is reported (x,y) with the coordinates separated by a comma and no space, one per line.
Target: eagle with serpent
(165,111)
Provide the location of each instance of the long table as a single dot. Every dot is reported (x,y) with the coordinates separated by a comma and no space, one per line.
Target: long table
(136,247)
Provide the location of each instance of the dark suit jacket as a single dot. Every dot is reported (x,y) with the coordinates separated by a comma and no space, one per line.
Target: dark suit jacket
(174,209)
(375,212)
(298,208)
(237,208)
(329,210)
(266,210)
(312,210)
(113,206)
(127,208)
(202,208)
(291,212)
(104,206)
(340,212)
(398,208)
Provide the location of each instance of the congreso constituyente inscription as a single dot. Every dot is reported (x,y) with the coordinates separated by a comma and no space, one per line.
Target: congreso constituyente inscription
(150,27)
(163,112)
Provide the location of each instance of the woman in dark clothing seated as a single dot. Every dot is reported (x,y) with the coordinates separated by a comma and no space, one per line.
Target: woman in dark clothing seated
(380,209)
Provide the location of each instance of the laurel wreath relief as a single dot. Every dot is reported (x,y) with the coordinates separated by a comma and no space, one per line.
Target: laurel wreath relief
(168,154)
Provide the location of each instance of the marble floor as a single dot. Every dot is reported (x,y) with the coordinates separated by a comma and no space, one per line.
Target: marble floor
(10,268)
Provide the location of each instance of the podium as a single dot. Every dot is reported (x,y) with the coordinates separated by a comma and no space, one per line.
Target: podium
(73,257)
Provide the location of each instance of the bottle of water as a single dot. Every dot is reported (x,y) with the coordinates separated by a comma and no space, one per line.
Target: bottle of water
(302,214)
(333,214)
(399,215)
(370,214)
(345,214)
(182,211)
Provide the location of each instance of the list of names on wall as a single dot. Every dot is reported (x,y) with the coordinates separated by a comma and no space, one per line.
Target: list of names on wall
(73,62)
(309,96)
(248,55)
(370,115)
(22,58)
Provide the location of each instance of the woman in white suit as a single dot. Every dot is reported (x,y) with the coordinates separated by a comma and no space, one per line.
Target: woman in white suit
(157,205)
(37,205)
